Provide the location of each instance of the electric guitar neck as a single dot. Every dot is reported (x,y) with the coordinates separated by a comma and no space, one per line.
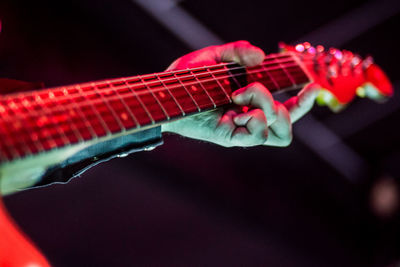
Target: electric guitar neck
(40,128)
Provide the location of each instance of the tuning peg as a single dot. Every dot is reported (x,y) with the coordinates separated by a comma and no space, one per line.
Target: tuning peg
(300,48)
(368,61)
(320,49)
(328,59)
(355,61)
(306,45)
(332,72)
(311,50)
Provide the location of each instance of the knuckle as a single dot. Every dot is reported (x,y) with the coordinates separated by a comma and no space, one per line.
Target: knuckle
(260,116)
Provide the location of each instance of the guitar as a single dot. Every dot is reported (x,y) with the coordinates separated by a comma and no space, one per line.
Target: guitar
(42,128)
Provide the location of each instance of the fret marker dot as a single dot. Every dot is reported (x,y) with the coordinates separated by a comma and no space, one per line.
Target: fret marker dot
(124,116)
(51,95)
(259,75)
(226,81)
(194,88)
(161,94)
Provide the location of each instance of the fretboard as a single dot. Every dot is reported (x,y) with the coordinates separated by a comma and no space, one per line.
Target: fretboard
(39,121)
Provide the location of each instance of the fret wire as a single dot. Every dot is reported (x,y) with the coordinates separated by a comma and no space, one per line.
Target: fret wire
(13,151)
(230,75)
(37,145)
(10,120)
(23,143)
(190,95)
(102,122)
(202,86)
(58,108)
(44,108)
(105,101)
(34,115)
(173,97)
(82,117)
(139,100)
(152,93)
(125,105)
(271,78)
(220,85)
(287,73)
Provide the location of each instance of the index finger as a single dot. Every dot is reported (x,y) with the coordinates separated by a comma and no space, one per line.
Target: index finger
(299,105)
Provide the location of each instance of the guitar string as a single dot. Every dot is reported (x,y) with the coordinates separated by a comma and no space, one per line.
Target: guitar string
(10,97)
(203,68)
(32,116)
(160,89)
(219,78)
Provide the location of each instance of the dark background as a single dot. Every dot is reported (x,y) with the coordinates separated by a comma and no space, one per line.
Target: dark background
(190,203)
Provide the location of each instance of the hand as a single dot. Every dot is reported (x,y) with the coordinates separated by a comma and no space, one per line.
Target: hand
(267,122)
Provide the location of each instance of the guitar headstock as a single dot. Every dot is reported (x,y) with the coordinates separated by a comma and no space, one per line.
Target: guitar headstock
(342,74)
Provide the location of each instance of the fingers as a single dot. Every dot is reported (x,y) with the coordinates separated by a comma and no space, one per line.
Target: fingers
(256,96)
(252,128)
(299,105)
(280,133)
(241,52)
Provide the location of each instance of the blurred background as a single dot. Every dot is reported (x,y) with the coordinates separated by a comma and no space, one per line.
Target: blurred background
(329,199)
